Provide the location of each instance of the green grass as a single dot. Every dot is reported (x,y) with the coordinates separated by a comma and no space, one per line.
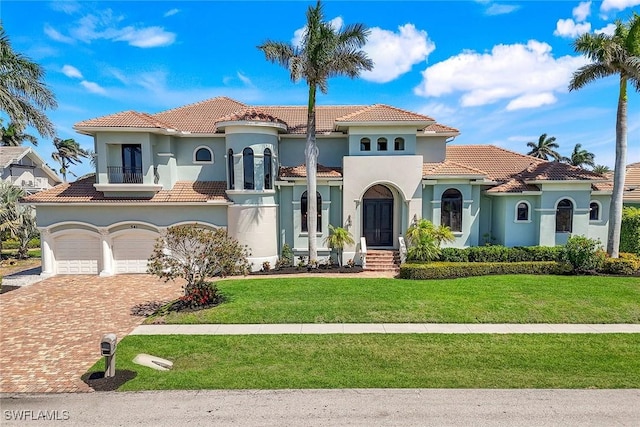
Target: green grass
(387,361)
(488,299)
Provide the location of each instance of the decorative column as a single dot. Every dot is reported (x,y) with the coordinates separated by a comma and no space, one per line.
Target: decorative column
(107,255)
(48,261)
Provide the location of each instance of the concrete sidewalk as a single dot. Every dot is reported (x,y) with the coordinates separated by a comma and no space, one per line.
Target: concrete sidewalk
(386,328)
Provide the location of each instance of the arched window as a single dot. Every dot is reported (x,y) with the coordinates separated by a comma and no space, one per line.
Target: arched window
(303,211)
(268,182)
(398,144)
(382,144)
(203,155)
(522,211)
(247,166)
(564,216)
(451,210)
(594,211)
(231,169)
(365,144)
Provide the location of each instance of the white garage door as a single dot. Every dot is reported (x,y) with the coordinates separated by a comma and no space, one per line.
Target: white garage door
(131,253)
(77,254)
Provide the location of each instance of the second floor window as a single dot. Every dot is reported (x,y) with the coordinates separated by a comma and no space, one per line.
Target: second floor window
(522,212)
(268,182)
(203,155)
(594,211)
(131,163)
(303,211)
(365,144)
(232,171)
(398,144)
(247,166)
(382,144)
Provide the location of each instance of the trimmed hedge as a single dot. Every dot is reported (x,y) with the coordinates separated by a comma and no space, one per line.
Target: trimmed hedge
(498,253)
(13,244)
(448,270)
(630,231)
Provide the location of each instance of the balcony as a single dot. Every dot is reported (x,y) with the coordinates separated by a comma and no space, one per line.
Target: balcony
(124,175)
(128,179)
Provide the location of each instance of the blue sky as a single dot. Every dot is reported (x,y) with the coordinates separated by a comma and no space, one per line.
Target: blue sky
(496,70)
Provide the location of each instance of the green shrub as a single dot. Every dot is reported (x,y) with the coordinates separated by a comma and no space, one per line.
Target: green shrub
(623,266)
(584,254)
(14,244)
(497,253)
(454,255)
(286,257)
(450,270)
(630,230)
(200,295)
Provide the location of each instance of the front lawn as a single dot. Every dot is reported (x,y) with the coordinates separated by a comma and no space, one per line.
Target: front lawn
(486,299)
(384,361)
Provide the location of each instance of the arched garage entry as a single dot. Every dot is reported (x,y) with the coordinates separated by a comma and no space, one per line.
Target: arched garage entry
(77,252)
(132,247)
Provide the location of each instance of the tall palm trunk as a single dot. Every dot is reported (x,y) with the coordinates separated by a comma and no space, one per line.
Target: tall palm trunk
(311,159)
(613,238)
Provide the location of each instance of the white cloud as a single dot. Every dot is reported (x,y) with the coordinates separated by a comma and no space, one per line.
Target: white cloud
(501,9)
(56,35)
(146,37)
(244,79)
(71,71)
(527,76)
(171,12)
(608,30)
(569,28)
(618,4)
(93,87)
(582,11)
(393,54)
(68,7)
(106,25)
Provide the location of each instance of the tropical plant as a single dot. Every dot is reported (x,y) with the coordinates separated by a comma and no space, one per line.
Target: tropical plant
(601,169)
(544,148)
(584,254)
(10,220)
(580,157)
(337,239)
(13,135)
(68,152)
(324,52)
(630,236)
(424,240)
(618,55)
(26,231)
(196,254)
(23,95)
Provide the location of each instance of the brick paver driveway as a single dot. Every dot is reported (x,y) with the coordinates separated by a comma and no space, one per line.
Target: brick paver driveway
(51,330)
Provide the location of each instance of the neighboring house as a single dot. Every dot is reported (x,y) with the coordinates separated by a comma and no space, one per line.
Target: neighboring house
(221,163)
(24,168)
(632,185)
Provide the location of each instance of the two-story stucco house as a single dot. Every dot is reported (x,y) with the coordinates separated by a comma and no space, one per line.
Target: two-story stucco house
(221,163)
(24,168)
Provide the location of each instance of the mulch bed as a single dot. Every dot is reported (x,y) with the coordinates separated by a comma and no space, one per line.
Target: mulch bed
(98,382)
(319,270)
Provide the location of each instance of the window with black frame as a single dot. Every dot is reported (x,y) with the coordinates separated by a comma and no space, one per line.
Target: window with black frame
(303,210)
(564,216)
(247,166)
(451,210)
(268,182)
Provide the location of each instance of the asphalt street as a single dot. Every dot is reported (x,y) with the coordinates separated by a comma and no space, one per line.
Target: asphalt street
(346,407)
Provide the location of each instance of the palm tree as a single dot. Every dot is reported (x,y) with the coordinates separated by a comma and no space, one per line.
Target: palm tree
(601,169)
(613,55)
(544,148)
(324,52)
(23,94)
(13,135)
(68,152)
(9,213)
(580,157)
(425,239)
(337,239)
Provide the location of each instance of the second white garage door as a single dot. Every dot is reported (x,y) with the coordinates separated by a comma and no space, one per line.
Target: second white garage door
(77,254)
(131,252)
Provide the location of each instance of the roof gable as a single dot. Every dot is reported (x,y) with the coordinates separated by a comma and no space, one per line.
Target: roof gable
(383,113)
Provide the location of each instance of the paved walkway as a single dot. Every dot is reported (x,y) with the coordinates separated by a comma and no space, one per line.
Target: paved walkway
(50,331)
(386,328)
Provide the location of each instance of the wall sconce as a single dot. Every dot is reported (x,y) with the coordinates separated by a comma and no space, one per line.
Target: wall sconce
(347,223)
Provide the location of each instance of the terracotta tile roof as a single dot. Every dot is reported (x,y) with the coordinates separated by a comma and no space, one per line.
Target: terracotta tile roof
(498,163)
(83,191)
(200,117)
(513,186)
(381,112)
(131,119)
(252,114)
(632,180)
(438,128)
(300,171)
(448,168)
(602,186)
(558,171)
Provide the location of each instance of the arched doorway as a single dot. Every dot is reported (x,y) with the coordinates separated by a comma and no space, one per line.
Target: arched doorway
(377,213)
